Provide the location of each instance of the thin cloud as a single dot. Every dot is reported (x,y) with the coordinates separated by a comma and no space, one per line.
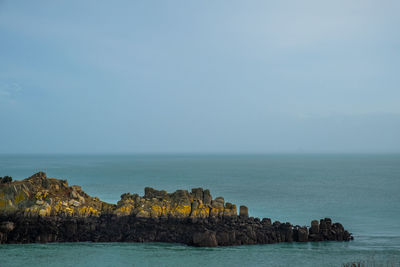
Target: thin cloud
(9,92)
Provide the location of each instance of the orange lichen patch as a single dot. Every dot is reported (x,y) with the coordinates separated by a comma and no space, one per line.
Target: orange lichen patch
(124,210)
(69,211)
(156,211)
(37,193)
(216,211)
(183,210)
(166,210)
(202,211)
(143,213)
(87,211)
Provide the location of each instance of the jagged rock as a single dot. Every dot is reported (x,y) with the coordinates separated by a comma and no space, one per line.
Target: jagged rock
(74,203)
(243,211)
(74,194)
(41,209)
(6,226)
(197,193)
(206,239)
(150,193)
(266,221)
(39,195)
(300,234)
(230,209)
(314,227)
(207,197)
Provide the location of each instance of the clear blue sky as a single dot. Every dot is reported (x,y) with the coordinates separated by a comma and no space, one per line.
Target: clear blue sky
(199,76)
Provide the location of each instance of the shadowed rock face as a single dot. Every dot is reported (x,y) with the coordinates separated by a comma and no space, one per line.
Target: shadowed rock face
(41,209)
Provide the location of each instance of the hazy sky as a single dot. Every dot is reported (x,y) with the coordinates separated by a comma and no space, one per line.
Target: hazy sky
(199,76)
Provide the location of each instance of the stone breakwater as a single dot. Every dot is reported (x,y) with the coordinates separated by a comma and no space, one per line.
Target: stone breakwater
(41,209)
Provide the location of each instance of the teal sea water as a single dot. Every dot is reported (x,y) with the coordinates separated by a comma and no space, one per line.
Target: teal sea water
(360,191)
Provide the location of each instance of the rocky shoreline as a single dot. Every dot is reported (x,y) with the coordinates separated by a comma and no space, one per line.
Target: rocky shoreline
(41,209)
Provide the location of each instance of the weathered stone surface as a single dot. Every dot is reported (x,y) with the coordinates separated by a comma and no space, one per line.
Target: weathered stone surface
(197,193)
(7,226)
(41,209)
(266,221)
(207,197)
(300,234)
(205,239)
(314,227)
(244,211)
(39,195)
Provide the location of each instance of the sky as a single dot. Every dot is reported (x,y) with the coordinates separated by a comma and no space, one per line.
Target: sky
(206,76)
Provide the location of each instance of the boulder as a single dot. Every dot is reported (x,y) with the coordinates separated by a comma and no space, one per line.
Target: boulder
(181,197)
(266,221)
(205,239)
(197,193)
(300,234)
(314,227)
(6,226)
(243,211)
(74,194)
(207,198)
(150,193)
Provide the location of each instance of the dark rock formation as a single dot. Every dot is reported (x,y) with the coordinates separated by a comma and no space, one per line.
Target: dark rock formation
(243,211)
(5,179)
(41,209)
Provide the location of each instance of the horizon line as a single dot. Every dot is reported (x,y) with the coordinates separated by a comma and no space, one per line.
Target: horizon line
(200,153)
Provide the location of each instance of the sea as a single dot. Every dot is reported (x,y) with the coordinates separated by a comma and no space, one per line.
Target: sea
(360,191)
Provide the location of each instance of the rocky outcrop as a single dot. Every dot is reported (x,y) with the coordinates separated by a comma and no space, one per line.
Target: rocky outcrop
(180,204)
(41,209)
(39,195)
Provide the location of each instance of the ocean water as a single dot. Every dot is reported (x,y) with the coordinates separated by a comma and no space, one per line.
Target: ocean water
(360,191)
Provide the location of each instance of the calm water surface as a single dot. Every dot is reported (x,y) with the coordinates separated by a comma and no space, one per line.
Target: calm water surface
(360,191)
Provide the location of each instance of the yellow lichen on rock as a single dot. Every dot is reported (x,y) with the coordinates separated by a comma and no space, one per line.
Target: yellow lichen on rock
(39,195)
(182,210)
(3,203)
(215,212)
(143,213)
(57,207)
(42,195)
(156,211)
(87,211)
(68,211)
(202,211)
(166,210)
(45,211)
(19,198)
(124,210)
